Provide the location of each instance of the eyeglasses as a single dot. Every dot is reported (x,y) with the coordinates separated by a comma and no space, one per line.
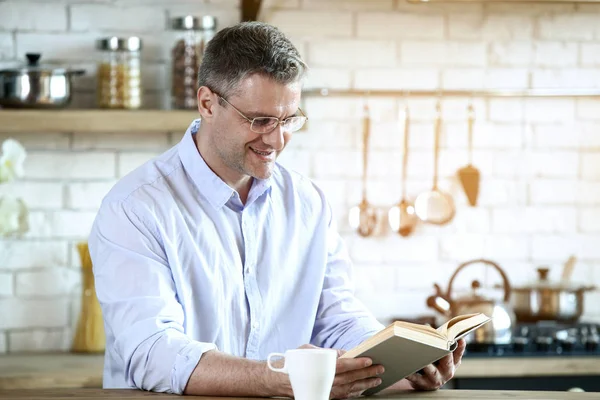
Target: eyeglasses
(264,125)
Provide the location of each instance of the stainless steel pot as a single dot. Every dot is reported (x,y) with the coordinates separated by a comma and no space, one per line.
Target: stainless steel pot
(36,86)
(545,300)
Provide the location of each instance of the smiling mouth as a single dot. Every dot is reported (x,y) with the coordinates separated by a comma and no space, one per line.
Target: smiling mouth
(262,153)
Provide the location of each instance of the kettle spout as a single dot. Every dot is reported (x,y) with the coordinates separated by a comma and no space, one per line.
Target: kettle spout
(439,303)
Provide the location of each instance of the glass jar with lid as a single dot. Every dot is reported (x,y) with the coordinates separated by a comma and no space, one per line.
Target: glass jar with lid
(119,73)
(191,36)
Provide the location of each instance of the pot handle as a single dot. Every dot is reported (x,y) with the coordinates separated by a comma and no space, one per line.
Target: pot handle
(33,59)
(76,71)
(507,288)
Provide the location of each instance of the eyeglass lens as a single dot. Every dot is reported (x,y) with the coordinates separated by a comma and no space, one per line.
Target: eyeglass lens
(267,124)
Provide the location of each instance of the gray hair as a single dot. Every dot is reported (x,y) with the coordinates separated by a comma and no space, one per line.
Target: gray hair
(245,49)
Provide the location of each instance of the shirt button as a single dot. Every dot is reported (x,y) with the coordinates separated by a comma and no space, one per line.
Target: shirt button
(254,325)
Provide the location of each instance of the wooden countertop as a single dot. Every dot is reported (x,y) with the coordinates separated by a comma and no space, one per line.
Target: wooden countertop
(75,394)
(52,370)
(68,370)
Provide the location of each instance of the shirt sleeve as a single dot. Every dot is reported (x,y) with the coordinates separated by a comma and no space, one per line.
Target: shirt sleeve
(138,297)
(342,320)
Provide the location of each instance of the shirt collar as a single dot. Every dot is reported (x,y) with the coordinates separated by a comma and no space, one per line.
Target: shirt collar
(208,183)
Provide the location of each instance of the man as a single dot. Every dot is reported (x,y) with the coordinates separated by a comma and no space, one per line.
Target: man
(211,256)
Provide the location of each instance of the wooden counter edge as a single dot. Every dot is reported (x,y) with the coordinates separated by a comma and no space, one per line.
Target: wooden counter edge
(84,371)
(528,366)
(447,394)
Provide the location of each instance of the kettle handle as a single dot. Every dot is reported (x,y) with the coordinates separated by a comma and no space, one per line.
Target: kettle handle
(507,288)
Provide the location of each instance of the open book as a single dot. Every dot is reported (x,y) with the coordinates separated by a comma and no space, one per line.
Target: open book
(403,348)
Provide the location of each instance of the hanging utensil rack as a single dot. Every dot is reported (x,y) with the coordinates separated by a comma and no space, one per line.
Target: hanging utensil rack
(453,93)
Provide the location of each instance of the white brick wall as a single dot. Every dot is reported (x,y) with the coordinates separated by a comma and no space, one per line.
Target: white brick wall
(443,52)
(35,283)
(511,53)
(427,78)
(40,340)
(352,5)
(6,284)
(90,17)
(556,54)
(75,165)
(313,23)
(400,25)
(27,254)
(32,17)
(20,313)
(590,54)
(6,46)
(539,199)
(351,53)
(568,27)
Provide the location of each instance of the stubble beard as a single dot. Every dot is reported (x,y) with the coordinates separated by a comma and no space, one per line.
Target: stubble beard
(238,160)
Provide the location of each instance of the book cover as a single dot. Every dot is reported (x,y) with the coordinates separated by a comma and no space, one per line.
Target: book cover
(404,348)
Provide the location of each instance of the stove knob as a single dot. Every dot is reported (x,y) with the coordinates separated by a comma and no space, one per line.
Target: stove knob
(524,331)
(591,342)
(567,343)
(572,332)
(519,343)
(477,347)
(543,343)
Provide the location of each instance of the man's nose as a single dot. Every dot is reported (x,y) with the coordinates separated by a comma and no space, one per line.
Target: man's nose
(275,138)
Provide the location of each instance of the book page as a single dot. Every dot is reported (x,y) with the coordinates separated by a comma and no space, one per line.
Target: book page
(414,332)
(431,338)
(443,329)
(463,327)
(426,329)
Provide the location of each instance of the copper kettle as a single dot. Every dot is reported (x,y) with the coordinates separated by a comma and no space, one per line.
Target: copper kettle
(499,330)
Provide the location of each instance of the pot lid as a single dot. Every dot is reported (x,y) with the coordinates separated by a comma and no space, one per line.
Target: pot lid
(189,22)
(33,66)
(544,282)
(475,296)
(114,43)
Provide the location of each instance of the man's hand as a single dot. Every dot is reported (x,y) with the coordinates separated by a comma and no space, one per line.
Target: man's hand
(435,376)
(352,375)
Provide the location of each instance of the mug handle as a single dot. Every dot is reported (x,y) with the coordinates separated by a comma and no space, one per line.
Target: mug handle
(272,368)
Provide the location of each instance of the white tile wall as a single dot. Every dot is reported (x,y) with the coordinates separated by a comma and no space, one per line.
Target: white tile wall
(540,192)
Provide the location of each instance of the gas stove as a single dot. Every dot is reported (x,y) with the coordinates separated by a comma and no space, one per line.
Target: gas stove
(544,339)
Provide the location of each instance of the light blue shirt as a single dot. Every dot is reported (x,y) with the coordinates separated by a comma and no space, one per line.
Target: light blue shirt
(183,267)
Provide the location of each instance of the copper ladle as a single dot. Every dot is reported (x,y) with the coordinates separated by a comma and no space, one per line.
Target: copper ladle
(402,217)
(363,217)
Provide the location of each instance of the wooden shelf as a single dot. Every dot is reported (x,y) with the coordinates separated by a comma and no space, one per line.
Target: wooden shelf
(94,121)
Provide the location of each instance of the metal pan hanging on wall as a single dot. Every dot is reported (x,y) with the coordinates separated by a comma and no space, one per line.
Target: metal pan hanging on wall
(435,206)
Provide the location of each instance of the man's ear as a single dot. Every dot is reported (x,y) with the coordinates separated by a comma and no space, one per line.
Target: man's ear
(205,102)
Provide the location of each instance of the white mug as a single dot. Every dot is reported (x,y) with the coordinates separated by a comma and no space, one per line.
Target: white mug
(311,371)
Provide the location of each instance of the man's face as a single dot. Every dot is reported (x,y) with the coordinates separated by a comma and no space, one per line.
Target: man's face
(241,150)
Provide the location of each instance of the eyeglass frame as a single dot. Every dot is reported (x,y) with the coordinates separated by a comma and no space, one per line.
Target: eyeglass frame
(279,121)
